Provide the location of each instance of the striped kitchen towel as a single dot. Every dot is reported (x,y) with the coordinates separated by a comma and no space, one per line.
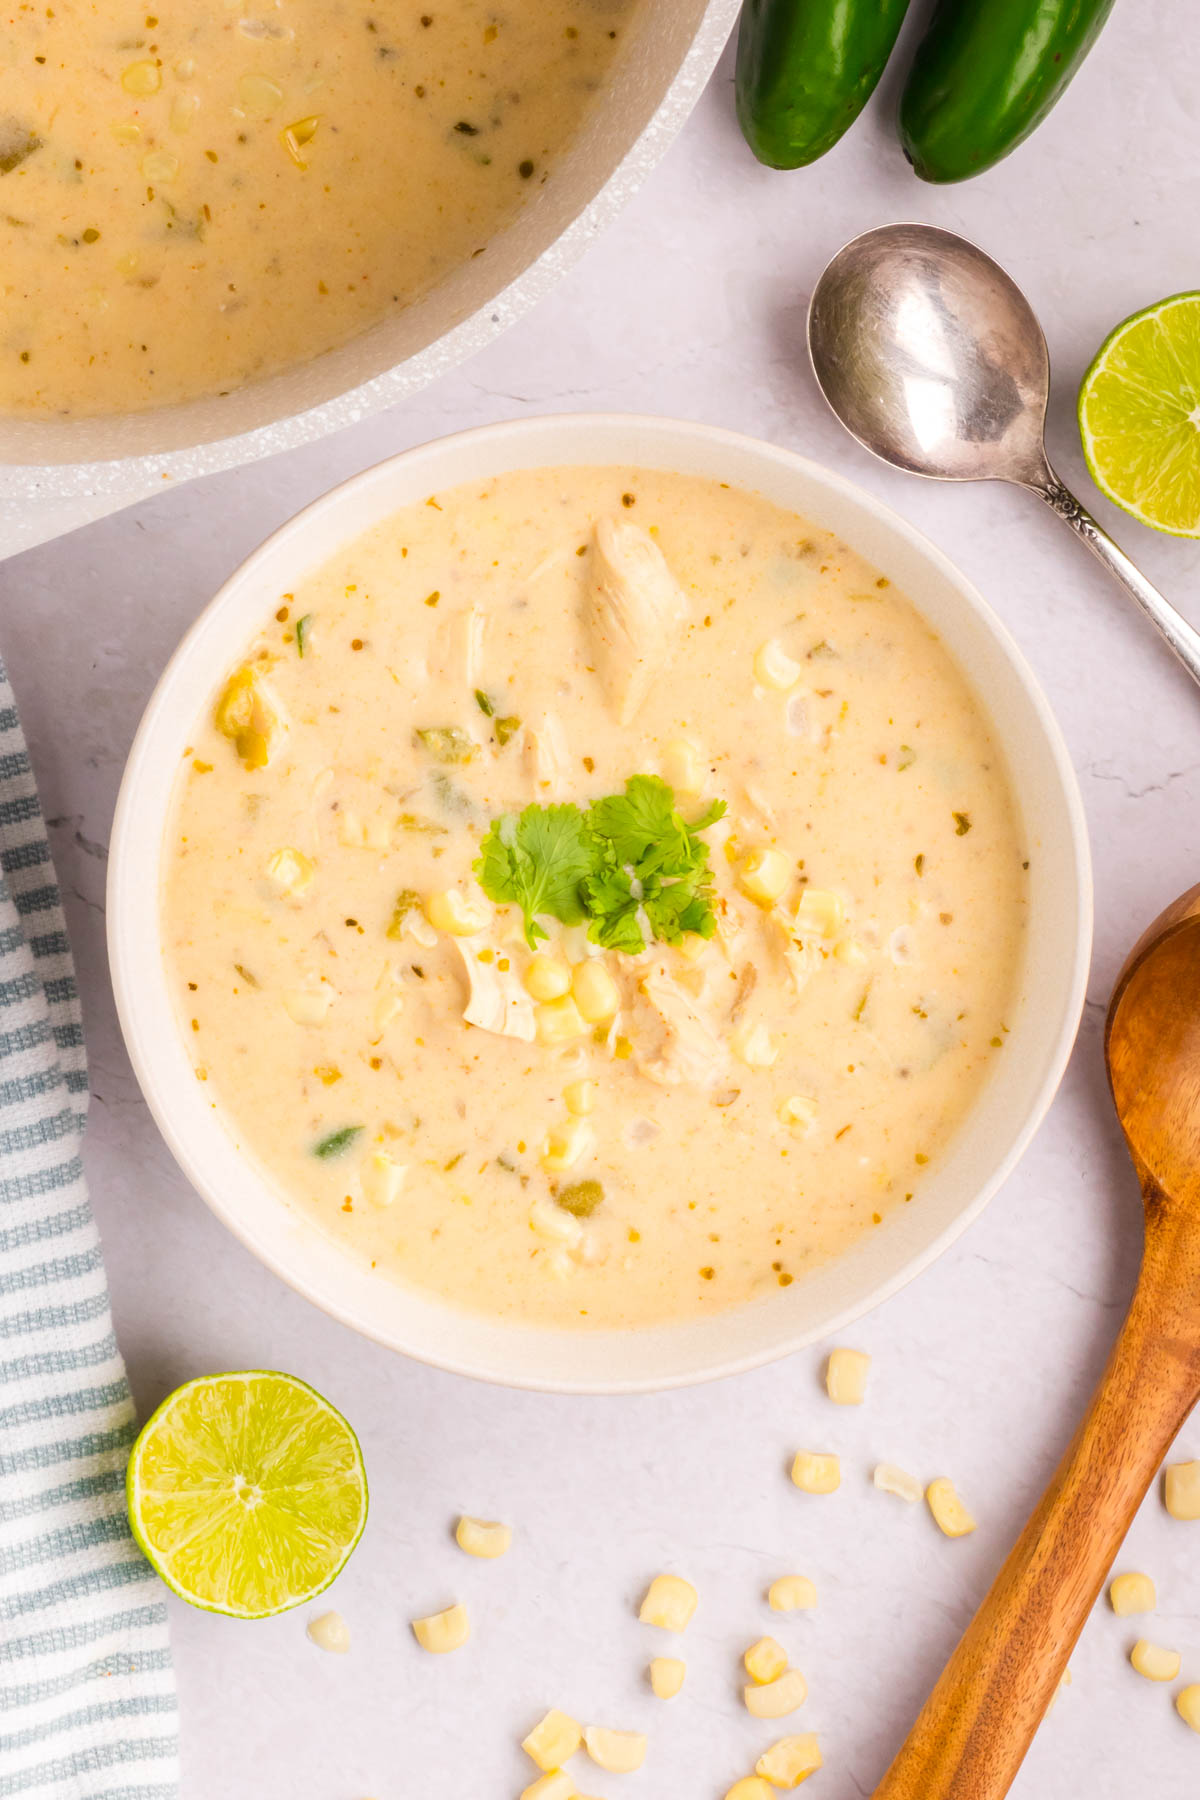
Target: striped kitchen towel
(87,1692)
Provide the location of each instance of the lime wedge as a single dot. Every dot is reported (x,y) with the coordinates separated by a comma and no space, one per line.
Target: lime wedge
(247,1492)
(1139,415)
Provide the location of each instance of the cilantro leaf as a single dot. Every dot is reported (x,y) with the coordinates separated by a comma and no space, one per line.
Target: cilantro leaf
(537,860)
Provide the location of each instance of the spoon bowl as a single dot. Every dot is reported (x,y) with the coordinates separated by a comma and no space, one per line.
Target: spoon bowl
(1153,1049)
(931,356)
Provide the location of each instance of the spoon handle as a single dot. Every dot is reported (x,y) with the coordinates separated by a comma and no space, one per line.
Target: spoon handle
(972,1733)
(1182,638)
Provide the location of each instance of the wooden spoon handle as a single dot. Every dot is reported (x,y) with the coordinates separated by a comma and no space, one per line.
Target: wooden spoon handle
(972,1733)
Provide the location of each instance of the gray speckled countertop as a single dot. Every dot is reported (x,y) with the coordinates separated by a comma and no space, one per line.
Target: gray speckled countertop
(693,304)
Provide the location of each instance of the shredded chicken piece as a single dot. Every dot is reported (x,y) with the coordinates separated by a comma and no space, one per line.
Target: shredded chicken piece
(634,610)
(800,957)
(746,982)
(497,1001)
(687,1048)
(546,757)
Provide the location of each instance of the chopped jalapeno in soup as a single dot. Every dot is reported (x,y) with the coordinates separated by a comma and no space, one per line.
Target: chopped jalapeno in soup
(195,196)
(584,927)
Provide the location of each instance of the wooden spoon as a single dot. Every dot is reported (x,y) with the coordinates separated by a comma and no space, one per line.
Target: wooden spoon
(972,1733)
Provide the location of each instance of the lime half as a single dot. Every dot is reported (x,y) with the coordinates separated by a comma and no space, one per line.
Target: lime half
(247,1492)
(1139,415)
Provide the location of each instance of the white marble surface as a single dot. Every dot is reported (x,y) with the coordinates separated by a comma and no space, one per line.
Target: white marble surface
(693,305)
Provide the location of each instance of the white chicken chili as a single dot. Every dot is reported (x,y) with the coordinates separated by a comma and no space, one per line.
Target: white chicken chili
(595,896)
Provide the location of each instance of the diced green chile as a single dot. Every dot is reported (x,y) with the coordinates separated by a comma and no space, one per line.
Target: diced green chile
(580,1199)
(336,1142)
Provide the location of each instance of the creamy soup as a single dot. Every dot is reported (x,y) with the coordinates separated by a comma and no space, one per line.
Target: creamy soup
(196,196)
(595,897)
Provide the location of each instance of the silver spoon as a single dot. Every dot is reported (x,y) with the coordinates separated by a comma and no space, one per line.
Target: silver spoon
(933,359)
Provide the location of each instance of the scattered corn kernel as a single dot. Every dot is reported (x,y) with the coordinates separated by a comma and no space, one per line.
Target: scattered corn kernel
(462,915)
(1155,1663)
(555,1786)
(580,1097)
(1187,1705)
(559,1021)
(1182,1490)
(551,1221)
(756,1047)
(295,136)
(774,668)
(692,946)
(306,1006)
(160,166)
(126,131)
(766,1660)
(546,977)
(819,913)
(846,1377)
(243,715)
(850,952)
(666,1676)
(184,108)
(751,1787)
(564,1144)
(329,1631)
(595,992)
(670,1602)
(893,1480)
(792,1593)
(259,95)
(483,1537)
(799,1112)
(291,870)
(816,1474)
(682,767)
(620,1752)
(763,875)
(553,1740)
(1132,1593)
(775,1699)
(444,1631)
(365,834)
(143,77)
(948,1510)
(381,1178)
(790,1761)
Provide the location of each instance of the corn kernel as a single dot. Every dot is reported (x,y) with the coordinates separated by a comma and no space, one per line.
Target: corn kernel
(184,108)
(461,915)
(775,1699)
(816,1474)
(564,1144)
(291,870)
(756,1047)
(682,767)
(364,834)
(846,1377)
(670,1602)
(160,166)
(763,875)
(140,78)
(774,668)
(790,1761)
(259,95)
(329,1631)
(666,1676)
(1187,1705)
(1155,1663)
(295,136)
(580,1097)
(751,1787)
(850,952)
(620,1752)
(595,992)
(892,1480)
(819,913)
(243,715)
(1182,1490)
(553,1740)
(791,1593)
(765,1661)
(948,1510)
(555,1786)
(306,1007)
(799,1113)
(546,977)
(381,1178)
(483,1537)
(126,131)
(692,946)
(442,1632)
(559,1021)
(554,1223)
(1132,1593)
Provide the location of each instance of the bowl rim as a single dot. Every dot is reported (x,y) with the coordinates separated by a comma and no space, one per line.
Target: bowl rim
(126,950)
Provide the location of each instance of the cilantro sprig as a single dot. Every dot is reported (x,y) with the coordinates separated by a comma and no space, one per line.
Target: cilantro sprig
(628,864)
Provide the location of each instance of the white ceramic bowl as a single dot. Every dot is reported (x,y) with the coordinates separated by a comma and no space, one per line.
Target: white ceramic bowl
(668,55)
(977,1160)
